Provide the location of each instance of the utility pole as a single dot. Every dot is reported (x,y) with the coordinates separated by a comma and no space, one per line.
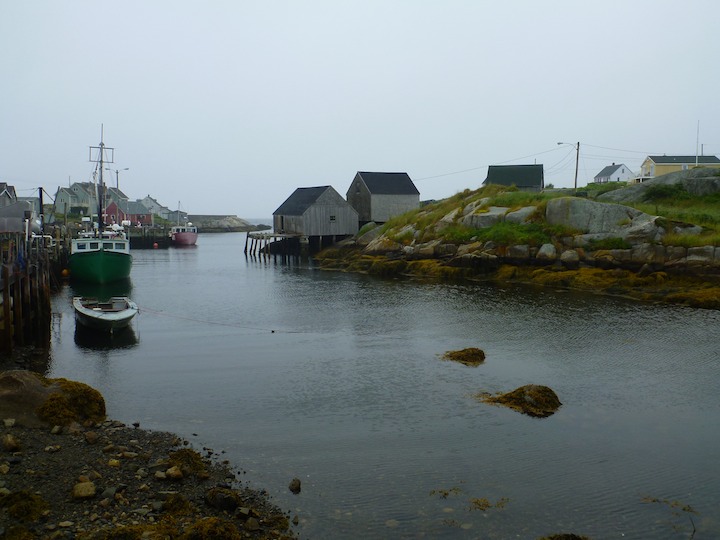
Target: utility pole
(577,160)
(42,211)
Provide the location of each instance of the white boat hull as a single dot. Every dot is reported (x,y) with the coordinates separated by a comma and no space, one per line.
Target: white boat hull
(109,316)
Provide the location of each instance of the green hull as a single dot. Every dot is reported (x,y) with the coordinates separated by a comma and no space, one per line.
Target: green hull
(100,266)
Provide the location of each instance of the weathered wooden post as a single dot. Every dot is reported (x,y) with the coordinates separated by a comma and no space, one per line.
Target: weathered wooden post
(7,340)
(18,310)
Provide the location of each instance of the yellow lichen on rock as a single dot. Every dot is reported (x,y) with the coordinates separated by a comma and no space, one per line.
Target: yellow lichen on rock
(471,356)
(188,461)
(532,399)
(73,402)
(23,506)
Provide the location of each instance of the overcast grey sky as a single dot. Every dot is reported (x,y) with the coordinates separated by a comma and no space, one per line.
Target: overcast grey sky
(228,106)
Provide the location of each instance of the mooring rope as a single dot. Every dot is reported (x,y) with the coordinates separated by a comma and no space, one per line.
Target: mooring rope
(217,323)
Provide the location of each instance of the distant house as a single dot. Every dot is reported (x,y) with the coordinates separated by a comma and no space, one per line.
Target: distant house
(114,194)
(378,196)
(614,173)
(177,217)
(315,211)
(7,194)
(13,211)
(132,211)
(523,177)
(156,208)
(79,198)
(658,165)
(34,202)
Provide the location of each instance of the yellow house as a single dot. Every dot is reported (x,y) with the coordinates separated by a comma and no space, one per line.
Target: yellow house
(658,165)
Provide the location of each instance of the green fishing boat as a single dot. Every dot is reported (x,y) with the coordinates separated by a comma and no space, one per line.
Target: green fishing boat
(100,259)
(101,255)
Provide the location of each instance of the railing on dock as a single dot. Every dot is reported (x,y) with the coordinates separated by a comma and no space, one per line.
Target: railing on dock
(299,245)
(270,243)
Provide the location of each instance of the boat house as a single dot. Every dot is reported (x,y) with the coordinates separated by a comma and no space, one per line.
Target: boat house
(378,196)
(523,177)
(318,214)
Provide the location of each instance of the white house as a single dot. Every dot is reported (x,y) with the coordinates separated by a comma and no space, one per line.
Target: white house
(614,173)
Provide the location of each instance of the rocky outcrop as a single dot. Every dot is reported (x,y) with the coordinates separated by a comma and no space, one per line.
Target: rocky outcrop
(471,356)
(589,223)
(698,182)
(32,400)
(220,223)
(485,218)
(532,399)
(570,243)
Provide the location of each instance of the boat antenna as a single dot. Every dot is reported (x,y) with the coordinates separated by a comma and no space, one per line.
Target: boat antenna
(102,155)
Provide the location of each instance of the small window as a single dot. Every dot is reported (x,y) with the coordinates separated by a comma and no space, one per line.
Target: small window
(94,245)
(119,245)
(332,218)
(107,245)
(82,246)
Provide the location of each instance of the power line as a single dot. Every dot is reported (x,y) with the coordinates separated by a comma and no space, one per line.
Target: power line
(621,150)
(484,166)
(556,166)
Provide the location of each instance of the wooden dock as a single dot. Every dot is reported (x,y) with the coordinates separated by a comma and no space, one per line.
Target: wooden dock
(25,312)
(270,243)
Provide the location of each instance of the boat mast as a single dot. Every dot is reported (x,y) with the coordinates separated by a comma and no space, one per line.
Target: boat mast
(102,155)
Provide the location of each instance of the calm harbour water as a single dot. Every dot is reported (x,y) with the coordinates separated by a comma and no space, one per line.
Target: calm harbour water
(337,379)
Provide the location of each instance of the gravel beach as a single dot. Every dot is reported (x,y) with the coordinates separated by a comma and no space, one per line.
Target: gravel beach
(107,480)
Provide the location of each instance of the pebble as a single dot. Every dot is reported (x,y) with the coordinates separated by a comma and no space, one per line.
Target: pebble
(83,490)
(10,443)
(174,473)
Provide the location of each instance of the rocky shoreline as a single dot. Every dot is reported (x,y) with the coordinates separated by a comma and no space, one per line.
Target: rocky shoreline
(565,242)
(102,479)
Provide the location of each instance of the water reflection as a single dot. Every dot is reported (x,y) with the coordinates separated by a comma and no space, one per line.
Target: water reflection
(349,393)
(89,339)
(102,292)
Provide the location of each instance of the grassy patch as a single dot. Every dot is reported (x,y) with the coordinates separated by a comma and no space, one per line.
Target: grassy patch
(703,211)
(505,233)
(665,192)
(692,240)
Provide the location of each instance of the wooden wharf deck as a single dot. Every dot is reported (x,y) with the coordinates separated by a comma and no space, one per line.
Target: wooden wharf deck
(25,275)
(259,242)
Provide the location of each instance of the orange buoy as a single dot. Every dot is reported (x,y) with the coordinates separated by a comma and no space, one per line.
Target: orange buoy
(65,272)
(155,245)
